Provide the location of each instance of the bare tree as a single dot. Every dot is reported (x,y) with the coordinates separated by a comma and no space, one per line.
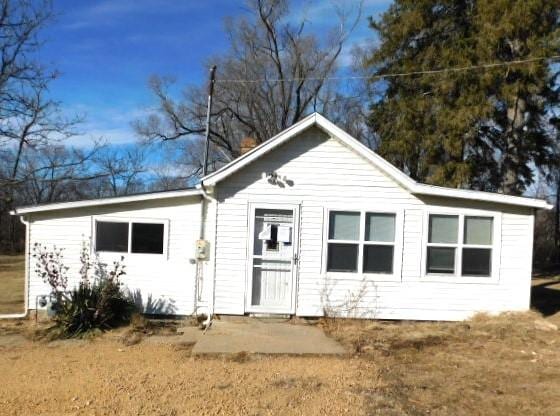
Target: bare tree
(272,76)
(55,173)
(29,120)
(121,169)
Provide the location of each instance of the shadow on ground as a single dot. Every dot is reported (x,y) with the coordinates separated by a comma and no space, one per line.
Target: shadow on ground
(545,296)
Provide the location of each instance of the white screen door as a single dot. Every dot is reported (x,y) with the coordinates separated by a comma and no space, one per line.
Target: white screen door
(273,259)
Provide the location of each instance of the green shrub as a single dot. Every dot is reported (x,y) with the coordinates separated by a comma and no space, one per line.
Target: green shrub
(101,305)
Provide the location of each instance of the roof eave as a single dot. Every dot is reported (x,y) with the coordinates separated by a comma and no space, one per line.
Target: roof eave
(429,190)
(58,206)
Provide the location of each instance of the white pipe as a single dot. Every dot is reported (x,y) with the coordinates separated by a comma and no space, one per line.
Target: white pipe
(208,322)
(26,287)
(198,271)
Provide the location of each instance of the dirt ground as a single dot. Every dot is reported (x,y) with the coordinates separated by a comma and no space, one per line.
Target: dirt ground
(508,364)
(103,377)
(11,284)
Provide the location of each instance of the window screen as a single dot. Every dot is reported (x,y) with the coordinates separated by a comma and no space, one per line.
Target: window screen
(443,229)
(111,236)
(478,230)
(344,225)
(380,227)
(147,238)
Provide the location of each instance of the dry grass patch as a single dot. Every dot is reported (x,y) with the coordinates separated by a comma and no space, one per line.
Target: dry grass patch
(508,364)
(12,283)
(141,327)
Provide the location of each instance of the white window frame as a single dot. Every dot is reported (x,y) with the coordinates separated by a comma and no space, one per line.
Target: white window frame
(130,221)
(361,242)
(457,277)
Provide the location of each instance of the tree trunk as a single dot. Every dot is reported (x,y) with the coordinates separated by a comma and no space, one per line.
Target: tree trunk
(511,160)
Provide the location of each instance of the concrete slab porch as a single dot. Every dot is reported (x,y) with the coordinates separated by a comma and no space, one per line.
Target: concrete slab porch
(264,336)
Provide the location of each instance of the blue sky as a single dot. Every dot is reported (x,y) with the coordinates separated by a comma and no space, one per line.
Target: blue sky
(107,49)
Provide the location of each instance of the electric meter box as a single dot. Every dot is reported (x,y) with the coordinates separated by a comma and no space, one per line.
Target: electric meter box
(202,250)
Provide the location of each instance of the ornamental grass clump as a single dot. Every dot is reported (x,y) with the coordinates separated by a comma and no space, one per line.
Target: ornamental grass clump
(98,302)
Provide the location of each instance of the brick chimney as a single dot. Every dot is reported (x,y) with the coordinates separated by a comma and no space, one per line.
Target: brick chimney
(247,144)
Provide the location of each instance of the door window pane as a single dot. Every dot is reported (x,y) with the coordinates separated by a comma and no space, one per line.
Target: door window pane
(378,259)
(478,230)
(342,257)
(147,238)
(111,236)
(380,227)
(477,262)
(443,229)
(441,260)
(344,225)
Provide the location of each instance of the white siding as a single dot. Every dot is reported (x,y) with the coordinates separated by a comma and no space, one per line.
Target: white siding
(326,174)
(165,283)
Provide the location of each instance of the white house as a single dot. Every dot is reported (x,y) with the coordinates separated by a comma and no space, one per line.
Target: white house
(309,223)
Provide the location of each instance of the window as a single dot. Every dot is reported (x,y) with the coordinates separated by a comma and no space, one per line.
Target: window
(343,226)
(477,250)
(361,241)
(466,253)
(130,237)
(147,238)
(442,243)
(111,236)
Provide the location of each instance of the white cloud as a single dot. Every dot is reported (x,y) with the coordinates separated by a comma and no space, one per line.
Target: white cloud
(108,125)
(107,12)
(103,135)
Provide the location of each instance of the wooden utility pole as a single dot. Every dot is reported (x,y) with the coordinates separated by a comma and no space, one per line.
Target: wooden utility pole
(208,111)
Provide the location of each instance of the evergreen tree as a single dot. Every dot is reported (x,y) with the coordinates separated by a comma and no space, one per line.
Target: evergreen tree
(484,128)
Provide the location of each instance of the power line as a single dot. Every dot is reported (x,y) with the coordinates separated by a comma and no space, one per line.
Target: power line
(396,74)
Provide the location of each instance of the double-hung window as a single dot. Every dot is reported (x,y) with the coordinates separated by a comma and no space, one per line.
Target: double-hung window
(460,245)
(361,242)
(121,236)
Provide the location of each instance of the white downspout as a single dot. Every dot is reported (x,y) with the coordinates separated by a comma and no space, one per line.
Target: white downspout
(26,286)
(199,274)
(208,322)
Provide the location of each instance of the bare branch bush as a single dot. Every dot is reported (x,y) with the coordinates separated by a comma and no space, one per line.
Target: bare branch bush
(352,303)
(49,265)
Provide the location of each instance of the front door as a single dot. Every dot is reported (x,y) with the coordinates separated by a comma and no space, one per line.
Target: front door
(272,259)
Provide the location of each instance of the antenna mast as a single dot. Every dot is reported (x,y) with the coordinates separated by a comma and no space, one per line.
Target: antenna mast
(208,111)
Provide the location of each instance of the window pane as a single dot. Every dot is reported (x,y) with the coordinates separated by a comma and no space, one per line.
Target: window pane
(380,227)
(477,261)
(342,258)
(111,236)
(441,260)
(443,228)
(344,225)
(478,230)
(378,259)
(147,238)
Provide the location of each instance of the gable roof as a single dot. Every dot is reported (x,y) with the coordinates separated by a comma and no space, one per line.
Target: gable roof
(147,196)
(391,171)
